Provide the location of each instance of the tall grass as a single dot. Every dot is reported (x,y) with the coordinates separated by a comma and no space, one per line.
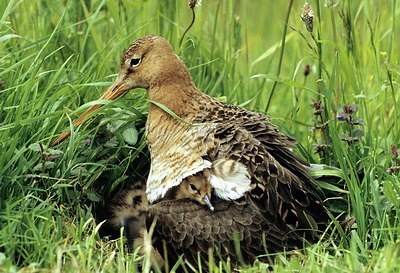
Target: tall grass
(58,55)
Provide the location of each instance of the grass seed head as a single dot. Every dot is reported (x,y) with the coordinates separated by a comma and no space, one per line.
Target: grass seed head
(194,3)
(307,15)
(318,107)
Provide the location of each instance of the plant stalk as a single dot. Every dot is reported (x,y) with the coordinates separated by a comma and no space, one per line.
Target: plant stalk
(280,55)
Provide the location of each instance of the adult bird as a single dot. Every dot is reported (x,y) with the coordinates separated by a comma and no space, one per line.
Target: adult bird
(189,132)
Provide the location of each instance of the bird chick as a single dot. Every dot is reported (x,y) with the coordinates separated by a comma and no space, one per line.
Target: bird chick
(195,187)
(198,188)
(227,179)
(128,209)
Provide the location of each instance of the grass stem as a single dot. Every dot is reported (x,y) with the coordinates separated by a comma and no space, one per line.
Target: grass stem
(278,73)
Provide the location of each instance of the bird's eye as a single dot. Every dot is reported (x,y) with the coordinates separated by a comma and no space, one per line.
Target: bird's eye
(193,188)
(135,62)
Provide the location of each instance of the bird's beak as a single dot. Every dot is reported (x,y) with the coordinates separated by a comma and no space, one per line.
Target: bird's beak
(208,202)
(113,92)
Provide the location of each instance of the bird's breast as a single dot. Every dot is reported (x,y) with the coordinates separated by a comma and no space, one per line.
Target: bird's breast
(177,150)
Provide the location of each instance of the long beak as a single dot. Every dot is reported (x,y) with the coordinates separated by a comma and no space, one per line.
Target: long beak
(208,202)
(113,92)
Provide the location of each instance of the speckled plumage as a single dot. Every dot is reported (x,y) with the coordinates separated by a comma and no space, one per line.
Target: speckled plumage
(129,208)
(280,185)
(281,196)
(188,228)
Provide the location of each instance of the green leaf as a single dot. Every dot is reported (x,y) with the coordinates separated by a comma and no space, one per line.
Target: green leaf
(330,187)
(93,196)
(44,166)
(35,147)
(130,134)
(8,37)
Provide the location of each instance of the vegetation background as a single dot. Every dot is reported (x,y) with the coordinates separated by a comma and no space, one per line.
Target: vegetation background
(335,89)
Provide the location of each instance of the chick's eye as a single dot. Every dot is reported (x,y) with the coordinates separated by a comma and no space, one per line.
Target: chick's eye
(135,62)
(193,187)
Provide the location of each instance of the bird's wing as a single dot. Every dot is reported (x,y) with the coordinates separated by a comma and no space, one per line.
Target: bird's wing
(180,154)
(188,228)
(280,183)
(281,193)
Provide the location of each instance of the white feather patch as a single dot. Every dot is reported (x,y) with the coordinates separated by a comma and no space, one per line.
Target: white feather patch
(156,191)
(231,186)
(176,151)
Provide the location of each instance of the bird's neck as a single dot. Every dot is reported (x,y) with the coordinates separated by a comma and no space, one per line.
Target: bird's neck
(182,99)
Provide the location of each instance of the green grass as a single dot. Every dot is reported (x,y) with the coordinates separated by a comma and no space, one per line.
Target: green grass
(56,56)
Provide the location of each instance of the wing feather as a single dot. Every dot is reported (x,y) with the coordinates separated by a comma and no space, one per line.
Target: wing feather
(204,229)
(280,184)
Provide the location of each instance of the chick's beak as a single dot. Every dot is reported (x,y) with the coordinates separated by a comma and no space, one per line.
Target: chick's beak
(208,202)
(113,92)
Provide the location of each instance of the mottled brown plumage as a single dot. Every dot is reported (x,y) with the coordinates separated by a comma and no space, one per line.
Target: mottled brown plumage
(188,228)
(281,198)
(129,207)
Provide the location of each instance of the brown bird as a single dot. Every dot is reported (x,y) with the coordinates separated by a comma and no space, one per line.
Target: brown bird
(189,132)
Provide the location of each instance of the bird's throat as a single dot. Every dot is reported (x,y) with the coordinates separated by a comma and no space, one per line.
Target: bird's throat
(174,99)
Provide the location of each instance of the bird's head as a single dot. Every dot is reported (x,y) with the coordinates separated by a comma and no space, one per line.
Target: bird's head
(197,188)
(148,63)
